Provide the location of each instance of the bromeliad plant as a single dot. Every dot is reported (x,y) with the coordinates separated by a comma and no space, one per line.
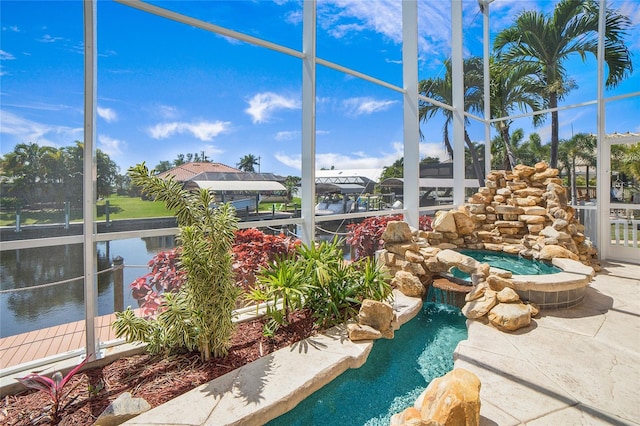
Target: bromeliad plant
(199,315)
(55,387)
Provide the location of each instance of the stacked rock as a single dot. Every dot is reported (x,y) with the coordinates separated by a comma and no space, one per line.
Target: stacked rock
(521,212)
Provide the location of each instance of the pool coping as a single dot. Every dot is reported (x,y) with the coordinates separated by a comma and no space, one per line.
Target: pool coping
(274,384)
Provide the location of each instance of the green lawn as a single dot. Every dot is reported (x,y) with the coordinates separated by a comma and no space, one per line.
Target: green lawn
(120,207)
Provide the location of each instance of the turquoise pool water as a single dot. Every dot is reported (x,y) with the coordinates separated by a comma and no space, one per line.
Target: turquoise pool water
(395,374)
(510,262)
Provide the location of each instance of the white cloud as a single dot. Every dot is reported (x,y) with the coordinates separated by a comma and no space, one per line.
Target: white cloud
(110,146)
(6,55)
(202,130)
(13,28)
(23,130)
(48,39)
(365,105)
(167,112)
(263,105)
(287,135)
(362,160)
(107,114)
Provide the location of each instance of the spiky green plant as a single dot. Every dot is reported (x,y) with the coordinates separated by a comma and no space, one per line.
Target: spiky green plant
(200,314)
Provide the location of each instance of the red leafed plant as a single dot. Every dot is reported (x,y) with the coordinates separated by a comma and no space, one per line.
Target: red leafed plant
(366,237)
(54,387)
(165,276)
(253,249)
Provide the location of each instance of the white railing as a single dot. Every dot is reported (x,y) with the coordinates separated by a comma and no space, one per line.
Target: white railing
(622,229)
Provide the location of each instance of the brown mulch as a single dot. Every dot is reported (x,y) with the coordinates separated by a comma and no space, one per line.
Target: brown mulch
(155,378)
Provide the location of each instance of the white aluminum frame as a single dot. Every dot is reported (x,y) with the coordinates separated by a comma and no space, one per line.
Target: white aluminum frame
(308,141)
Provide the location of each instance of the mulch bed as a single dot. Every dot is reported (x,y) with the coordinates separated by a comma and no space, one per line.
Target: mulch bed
(155,378)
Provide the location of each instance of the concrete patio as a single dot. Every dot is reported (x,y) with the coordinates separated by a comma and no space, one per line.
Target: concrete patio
(575,366)
(579,365)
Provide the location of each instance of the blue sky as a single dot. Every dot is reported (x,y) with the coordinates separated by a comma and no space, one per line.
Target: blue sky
(166,88)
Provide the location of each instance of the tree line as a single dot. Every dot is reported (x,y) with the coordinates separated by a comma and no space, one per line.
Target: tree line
(528,74)
(42,175)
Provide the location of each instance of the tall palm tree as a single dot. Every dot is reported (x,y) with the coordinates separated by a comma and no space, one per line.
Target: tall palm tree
(247,162)
(441,89)
(549,40)
(579,150)
(514,88)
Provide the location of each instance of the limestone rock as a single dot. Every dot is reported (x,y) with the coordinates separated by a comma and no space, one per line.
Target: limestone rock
(510,316)
(410,416)
(378,315)
(480,306)
(122,409)
(552,251)
(451,400)
(408,284)
(533,308)
(362,332)
(444,222)
(401,248)
(497,283)
(397,231)
(477,292)
(508,295)
(464,224)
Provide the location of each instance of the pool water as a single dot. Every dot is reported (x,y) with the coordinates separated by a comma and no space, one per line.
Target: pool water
(395,374)
(509,262)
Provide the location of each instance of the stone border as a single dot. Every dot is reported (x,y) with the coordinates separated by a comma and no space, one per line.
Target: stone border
(554,291)
(272,385)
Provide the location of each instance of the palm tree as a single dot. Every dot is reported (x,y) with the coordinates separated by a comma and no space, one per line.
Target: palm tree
(549,40)
(247,162)
(579,150)
(30,165)
(514,88)
(440,89)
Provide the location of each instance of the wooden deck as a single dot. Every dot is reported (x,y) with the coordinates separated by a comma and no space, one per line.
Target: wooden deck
(26,347)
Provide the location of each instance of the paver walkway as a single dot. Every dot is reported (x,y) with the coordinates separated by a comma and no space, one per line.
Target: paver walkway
(576,366)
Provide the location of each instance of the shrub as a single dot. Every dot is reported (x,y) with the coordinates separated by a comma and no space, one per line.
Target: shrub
(366,237)
(319,278)
(253,249)
(199,314)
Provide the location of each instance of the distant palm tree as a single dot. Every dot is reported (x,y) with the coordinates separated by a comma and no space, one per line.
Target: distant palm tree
(441,89)
(548,41)
(514,88)
(247,162)
(579,150)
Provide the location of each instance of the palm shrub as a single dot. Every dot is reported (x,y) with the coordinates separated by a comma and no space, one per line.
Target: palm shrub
(337,288)
(199,315)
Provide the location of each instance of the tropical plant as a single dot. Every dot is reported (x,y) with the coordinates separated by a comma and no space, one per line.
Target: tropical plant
(336,288)
(200,314)
(248,162)
(54,387)
(548,41)
(514,88)
(290,183)
(579,150)
(441,90)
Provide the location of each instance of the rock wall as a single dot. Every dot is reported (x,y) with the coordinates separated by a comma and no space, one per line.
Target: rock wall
(521,212)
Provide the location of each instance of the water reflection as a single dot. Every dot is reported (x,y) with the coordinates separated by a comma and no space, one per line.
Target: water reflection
(45,305)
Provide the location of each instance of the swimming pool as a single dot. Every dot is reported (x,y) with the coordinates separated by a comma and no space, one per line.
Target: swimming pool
(513,263)
(395,374)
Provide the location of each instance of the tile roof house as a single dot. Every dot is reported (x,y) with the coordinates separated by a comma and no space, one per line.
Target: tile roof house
(188,171)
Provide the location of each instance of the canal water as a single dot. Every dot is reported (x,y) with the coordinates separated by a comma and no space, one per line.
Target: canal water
(27,303)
